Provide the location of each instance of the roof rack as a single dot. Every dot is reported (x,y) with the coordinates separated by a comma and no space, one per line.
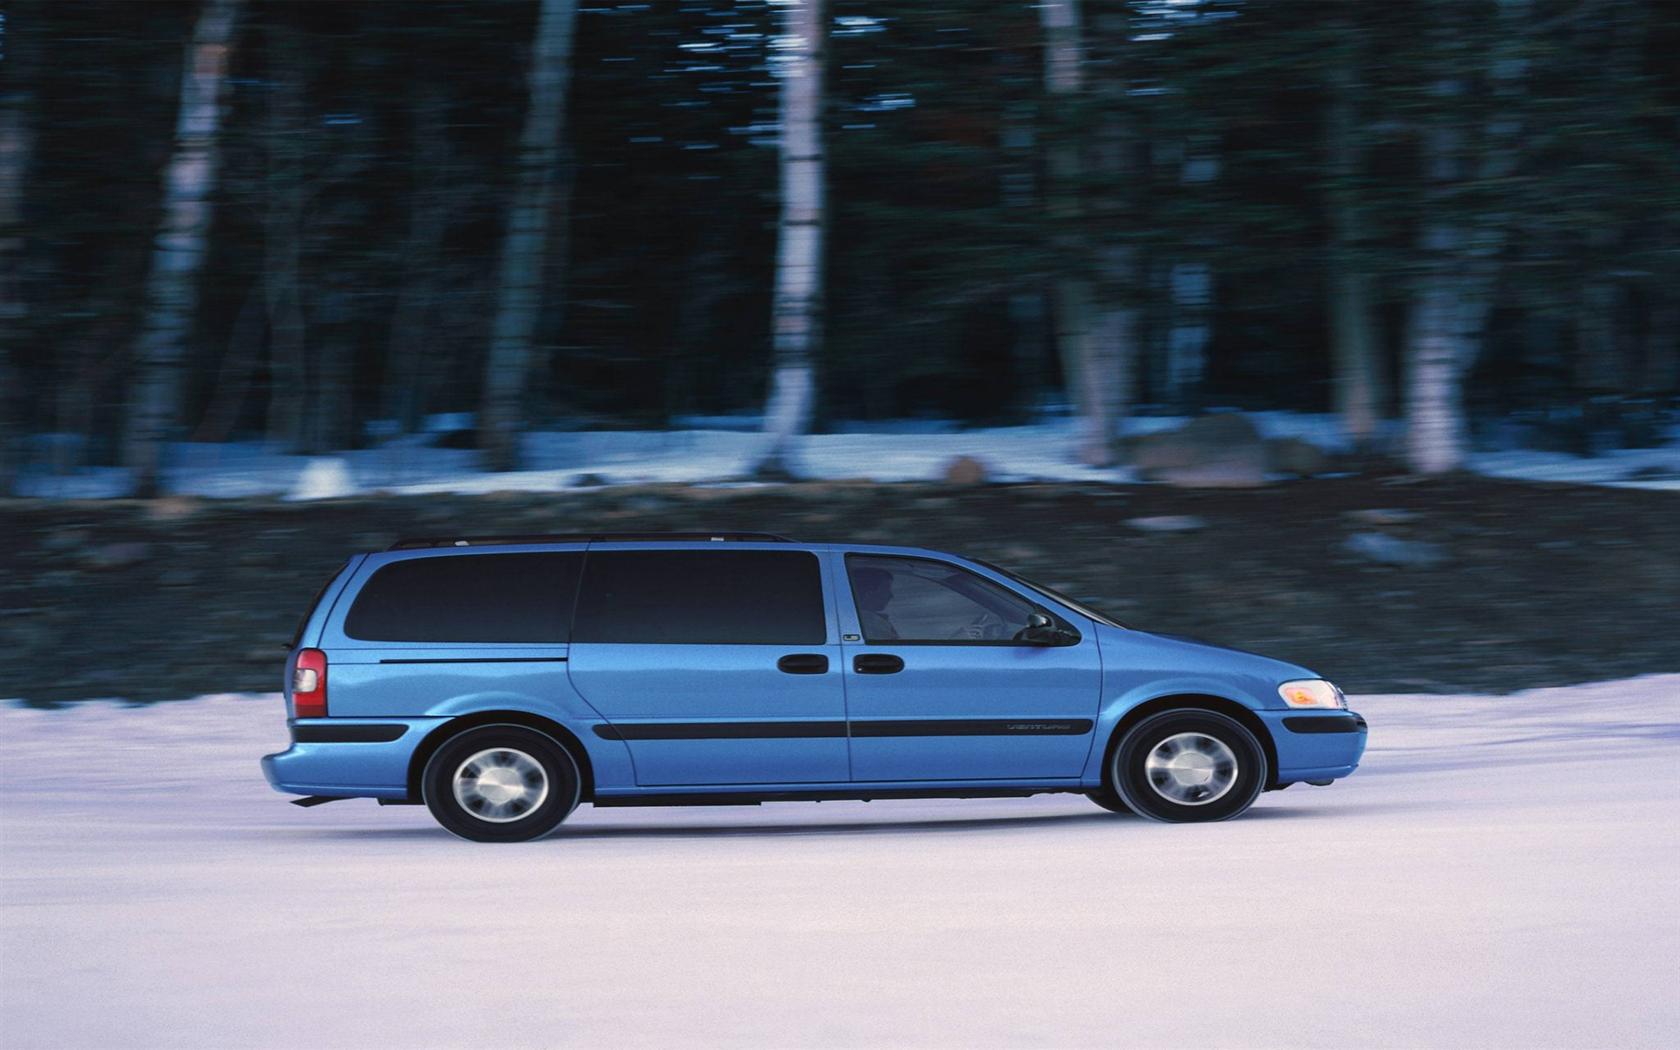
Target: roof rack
(421,542)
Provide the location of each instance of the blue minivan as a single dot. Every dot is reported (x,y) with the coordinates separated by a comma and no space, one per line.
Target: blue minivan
(501,681)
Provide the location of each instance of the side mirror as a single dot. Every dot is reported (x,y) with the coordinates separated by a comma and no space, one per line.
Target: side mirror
(1041,630)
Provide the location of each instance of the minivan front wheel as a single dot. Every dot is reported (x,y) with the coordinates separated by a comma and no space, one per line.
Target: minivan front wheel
(501,783)
(1107,799)
(1188,765)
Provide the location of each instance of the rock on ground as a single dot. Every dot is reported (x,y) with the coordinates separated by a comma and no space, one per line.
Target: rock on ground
(1224,450)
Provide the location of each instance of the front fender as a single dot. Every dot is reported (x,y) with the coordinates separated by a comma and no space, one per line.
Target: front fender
(1132,695)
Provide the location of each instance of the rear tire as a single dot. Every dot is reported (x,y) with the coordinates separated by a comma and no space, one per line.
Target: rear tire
(1188,766)
(501,783)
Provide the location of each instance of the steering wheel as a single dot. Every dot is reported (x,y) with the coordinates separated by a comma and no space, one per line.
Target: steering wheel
(987,627)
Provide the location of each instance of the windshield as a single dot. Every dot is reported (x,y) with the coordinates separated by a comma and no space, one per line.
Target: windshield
(1053,594)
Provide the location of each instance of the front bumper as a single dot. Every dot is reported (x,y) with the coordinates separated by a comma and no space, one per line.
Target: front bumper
(346,758)
(1316,745)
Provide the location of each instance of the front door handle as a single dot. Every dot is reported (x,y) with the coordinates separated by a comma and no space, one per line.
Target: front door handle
(803,663)
(877,663)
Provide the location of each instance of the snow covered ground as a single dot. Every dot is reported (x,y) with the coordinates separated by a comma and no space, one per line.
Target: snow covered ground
(719,450)
(1505,871)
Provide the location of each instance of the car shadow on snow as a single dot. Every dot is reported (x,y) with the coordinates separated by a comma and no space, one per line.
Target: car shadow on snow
(883,827)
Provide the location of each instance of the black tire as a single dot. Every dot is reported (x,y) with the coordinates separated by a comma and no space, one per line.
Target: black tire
(1207,739)
(534,767)
(1107,799)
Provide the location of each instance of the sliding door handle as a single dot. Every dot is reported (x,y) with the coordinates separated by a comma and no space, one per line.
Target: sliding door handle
(877,663)
(803,663)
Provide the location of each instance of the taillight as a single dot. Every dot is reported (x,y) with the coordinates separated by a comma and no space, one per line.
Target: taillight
(309,684)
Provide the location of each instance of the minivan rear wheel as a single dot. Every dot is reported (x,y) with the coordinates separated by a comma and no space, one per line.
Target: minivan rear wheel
(1188,765)
(501,783)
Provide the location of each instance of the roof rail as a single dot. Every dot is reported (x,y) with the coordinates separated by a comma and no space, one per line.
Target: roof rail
(421,542)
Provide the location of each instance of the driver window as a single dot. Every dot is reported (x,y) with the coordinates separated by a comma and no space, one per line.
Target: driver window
(920,600)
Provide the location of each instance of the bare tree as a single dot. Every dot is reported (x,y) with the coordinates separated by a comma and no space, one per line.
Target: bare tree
(407,375)
(1438,350)
(1190,278)
(286,142)
(796,307)
(178,252)
(17,150)
(1460,252)
(1604,358)
(1091,337)
(524,249)
(1358,376)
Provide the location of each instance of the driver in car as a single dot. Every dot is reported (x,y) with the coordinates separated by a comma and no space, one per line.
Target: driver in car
(874,591)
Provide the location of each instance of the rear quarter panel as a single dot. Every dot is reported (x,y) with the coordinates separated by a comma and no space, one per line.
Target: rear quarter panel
(367,679)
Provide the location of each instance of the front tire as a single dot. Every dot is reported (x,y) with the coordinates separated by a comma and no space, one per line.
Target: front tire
(1188,766)
(1106,797)
(501,783)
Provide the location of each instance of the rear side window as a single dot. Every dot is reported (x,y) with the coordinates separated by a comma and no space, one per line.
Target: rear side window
(468,598)
(696,597)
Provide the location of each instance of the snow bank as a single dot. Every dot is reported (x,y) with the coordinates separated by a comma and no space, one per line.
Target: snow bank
(720,450)
(1501,873)
(1630,468)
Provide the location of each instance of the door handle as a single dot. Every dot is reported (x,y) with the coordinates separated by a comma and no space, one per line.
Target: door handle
(877,663)
(803,663)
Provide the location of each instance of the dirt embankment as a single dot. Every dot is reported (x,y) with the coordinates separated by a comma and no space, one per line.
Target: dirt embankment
(1381,584)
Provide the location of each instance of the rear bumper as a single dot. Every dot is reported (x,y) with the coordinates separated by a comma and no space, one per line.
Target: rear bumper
(1318,745)
(347,758)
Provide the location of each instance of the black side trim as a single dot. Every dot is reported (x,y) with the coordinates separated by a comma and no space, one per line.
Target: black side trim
(484,660)
(753,798)
(347,734)
(1325,724)
(719,730)
(975,727)
(786,730)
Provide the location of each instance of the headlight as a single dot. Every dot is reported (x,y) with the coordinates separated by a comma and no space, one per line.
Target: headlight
(1311,692)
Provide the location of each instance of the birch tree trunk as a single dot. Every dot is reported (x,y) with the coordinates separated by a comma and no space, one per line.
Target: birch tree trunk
(1435,423)
(178,252)
(1089,356)
(1359,393)
(524,249)
(1114,336)
(1436,353)
(796,307)
(1461,254)
(17,150)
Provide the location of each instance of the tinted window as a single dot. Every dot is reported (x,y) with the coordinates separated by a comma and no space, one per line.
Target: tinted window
(468,598)
(683,597)
(921,600)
